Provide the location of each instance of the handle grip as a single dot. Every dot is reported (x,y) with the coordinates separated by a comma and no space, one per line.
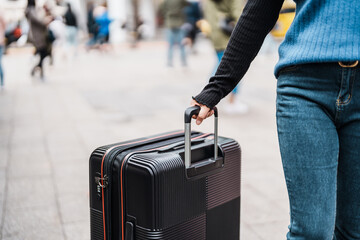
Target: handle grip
(189,113)
(195,110)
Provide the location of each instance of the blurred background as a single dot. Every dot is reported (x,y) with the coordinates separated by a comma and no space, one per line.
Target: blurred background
(79,74)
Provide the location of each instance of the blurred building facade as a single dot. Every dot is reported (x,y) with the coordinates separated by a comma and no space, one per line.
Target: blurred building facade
(122,12)
(13,9)
(131,13)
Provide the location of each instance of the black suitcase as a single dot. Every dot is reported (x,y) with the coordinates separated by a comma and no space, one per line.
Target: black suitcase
(147,189)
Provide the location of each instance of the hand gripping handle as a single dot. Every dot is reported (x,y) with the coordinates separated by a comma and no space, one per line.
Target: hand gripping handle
(189,113)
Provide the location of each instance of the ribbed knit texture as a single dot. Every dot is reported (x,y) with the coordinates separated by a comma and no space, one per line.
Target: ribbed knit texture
(323,31)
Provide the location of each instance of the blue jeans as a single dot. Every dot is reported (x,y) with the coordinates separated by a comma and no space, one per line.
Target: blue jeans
(71,35)
(1,68)
(318,120)
(175,36)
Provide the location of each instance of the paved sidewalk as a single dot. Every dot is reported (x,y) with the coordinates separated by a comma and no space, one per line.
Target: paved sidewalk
(48,130)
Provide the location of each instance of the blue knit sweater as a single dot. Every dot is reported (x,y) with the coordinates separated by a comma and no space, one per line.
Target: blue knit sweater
(323,31)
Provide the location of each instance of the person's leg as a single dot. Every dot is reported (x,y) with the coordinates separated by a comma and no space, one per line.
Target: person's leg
(37,52)
(233,94)
(348,192)
(73,36)
(171,42)
(181,36)
(1,69)
(309,149)
(43,54)
(219,55)
(192,34)
(50,53)
(348,185)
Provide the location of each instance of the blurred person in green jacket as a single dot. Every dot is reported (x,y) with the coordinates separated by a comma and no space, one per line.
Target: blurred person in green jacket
(174,16)
(221,17)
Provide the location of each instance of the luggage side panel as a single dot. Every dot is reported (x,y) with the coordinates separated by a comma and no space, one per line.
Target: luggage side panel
(158,194)
(96,211)
(223,190)
(225,185)
(193,229)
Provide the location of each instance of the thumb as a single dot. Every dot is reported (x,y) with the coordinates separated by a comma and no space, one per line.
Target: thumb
(202,114)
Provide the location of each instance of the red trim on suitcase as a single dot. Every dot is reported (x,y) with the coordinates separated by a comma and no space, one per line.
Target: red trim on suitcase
(102,171)
(121,181)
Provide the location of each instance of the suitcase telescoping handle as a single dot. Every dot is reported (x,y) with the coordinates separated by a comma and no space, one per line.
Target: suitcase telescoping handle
(189,113)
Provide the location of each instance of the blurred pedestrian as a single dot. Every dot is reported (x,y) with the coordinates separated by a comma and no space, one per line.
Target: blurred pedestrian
(12,34)
(193,14)
(71,23)
(38,34)
(138,30)
(58,28)
(50,35)
(92,26)
(103,21)
(2,47)
(173,12)
(318,108)
(222,16)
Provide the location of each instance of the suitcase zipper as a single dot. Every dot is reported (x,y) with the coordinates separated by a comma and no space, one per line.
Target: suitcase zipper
(100,180)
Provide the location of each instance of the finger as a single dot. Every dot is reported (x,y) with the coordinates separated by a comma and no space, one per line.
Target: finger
(211,113)
(193,103)
(199,120)
(202,114)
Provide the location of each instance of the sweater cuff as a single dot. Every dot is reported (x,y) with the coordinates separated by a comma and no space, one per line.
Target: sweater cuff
(208,99)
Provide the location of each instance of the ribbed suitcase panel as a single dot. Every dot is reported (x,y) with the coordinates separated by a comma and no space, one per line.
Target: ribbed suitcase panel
(99,152)
(176,198)
(97,230)
(225,185)
(194,229)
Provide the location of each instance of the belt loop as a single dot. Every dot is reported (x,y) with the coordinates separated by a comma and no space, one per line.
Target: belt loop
(354,64)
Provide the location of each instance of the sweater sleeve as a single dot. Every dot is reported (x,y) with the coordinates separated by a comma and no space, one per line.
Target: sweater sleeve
(256,21)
